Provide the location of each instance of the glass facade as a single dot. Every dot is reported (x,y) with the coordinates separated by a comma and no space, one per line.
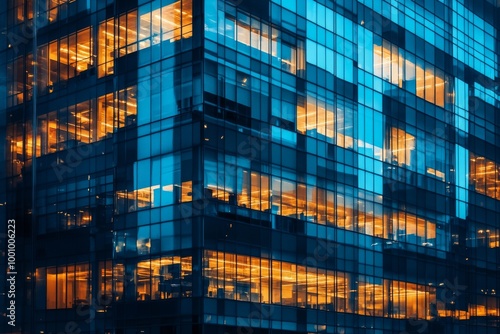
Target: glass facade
(236,166)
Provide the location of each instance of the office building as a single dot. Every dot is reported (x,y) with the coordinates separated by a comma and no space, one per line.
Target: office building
(264,166)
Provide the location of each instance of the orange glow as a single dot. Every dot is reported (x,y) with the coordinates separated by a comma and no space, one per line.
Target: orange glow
(129,32)
(67,286)
(248,278)
(485,176)
(391,65)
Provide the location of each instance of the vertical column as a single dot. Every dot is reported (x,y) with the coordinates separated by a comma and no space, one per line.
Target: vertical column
(461,120)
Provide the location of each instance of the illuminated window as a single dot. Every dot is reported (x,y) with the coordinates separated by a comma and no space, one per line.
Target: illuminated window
(20,10)
(243,33)
(126,111)
(263,37)
(139,30)
(370,220)
(371,298)
(133,200)
(65,128)
(78,124)
(289,198)
(483,236)
(73,218)
(440,88)
(116,111)
(400,69)
(411,300)
(126,37)
(345,212)
(66,286)
(401,147)
(105,116)
(485,176)
(105,283)
(106,55)
(19,138)
(54,10)
(168,277)
(67,57)
(319,118)
(420,79)
(411,229)
(176,22)
(243,277)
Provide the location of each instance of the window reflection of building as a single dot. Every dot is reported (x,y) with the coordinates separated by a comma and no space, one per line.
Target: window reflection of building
(260,36)
(164,187)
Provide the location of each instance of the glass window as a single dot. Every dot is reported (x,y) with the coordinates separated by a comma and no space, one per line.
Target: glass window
(401,69)
(106,54)
(484,176)
(73,56)
(235,276)
(402,146)
(67,286)
(105,115)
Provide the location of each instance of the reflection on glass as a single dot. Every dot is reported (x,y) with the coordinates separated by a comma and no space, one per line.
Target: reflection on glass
(248,278)
(401,147)
(116,111)
(65,128)
(323,119)
(421,78)
(412,229)
(263,37)
(20,80)
(132,31)
(82,123)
